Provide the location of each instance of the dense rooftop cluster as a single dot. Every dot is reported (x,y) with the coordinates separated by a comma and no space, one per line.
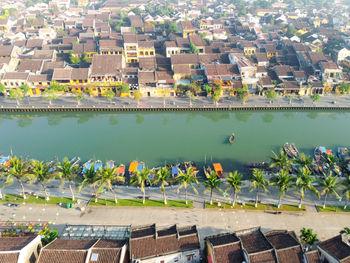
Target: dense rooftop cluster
(168,48)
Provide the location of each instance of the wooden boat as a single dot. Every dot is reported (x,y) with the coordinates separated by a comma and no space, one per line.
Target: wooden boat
(232,138)
(218,170)
(121,170)
(291,150)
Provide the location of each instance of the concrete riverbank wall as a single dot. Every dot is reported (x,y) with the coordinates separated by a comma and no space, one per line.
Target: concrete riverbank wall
(139,109)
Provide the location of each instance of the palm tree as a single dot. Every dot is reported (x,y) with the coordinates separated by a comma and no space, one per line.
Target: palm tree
(304,182)
(106,177)
(281,161)
(40,171)
(308,238)
(258,182)
(163,175)
(187,178)
(212,183)
(346,190)
(283,181)
(330,186)
(331,162)
(18,169)
(234,181)
(345,230)
(304,161)
(140,179)
(90,178)
(67,171)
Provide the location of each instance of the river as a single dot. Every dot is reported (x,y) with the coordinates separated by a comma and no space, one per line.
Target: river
(159,137)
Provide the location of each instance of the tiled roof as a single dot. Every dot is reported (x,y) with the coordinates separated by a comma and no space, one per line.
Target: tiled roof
(105,255)
(313,257)
(14,243)
(16,75)
(265,257)
(9,257)
(147,77)
(62,256)
(30,65)
(223,239)
(254,241)
(182,59)
(222,69)
(294,254)
(281,239)
(71,244)
(229,253)
(106,65)
(147,63)
(182,69)
(149,246)
(336,247)
(39,78)
(5,51)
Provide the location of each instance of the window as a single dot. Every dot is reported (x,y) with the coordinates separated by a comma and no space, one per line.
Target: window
(32,258)
(190,257)
(151,53)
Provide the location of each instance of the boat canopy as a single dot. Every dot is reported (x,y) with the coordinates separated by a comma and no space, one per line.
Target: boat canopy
(121,170)
(4,159)
(98,165)
(133,166)
(110,164)
(87,166)
(140,167)
(217,167)
(329,152)
(174,170)
(323,149)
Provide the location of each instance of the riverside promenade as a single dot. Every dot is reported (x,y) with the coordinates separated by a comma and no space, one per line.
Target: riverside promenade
(69,103)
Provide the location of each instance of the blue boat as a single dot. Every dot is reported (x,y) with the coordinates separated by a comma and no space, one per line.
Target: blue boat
(87,166)
(98,165)
(174,171)
(110,164)
(4,159)
(140,166)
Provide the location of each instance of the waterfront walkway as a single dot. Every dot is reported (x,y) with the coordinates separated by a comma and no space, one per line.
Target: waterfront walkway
(66,102)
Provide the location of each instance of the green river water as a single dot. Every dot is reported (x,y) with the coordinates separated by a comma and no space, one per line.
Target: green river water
(159,137)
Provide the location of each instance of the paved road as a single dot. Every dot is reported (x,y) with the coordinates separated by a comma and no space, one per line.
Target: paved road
(148,102)
(129,192)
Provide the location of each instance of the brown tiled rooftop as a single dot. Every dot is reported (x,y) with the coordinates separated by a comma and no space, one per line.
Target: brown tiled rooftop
(313,257)
(16,75)
(62,256)
(263,257)
(337,248)
(290,255)
(70,244)
(167,231)
(106,65)
(223,239)
(30,66)
(254,241)
(104,243)
(5,51)
(143,231)
(9,257)
(105,255)
(229,253)
(147,63)
(281,239)
(14,243)
(149,246)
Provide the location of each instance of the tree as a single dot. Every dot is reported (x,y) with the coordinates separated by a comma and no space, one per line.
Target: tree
(216,96)
(193,48)
(50,94)
(172,27)
(123,88)
(271,95)
(137,96)
(346,190)
(74,59)
(315,98)
(2,89)
(234,182)
(344,88)
(16,94)
(291,30)
(140,180)
(345,230)
(331,162)
(283,181)
(242,94)
(163,175)
(187,178)
(109,94)
(48,235)
(257,182)
(106,177)
(78,96)
(308,238)
(90,178)
(18,169)
(281,161)
(212,183)
(190,95)
(304,183)
(330,186)
(208,89)
(67,172)
(40,171)
(305,162)
(25,89)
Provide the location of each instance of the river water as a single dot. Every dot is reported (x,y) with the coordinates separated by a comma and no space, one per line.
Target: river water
(159,137)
